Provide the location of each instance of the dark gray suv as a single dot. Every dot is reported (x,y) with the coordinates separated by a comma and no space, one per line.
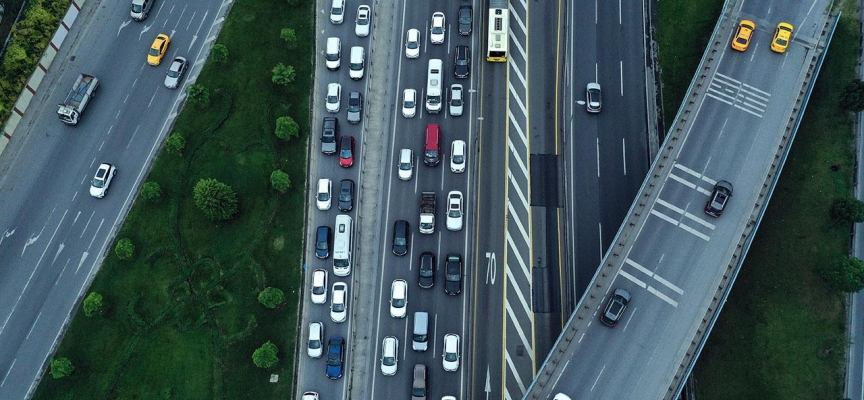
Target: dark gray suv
(615,308)
(719,198)
(355,107)
(329,135)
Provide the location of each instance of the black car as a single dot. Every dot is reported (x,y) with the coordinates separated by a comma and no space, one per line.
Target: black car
(465,20)
(346,195)
(453,275)
(355,107)
(322,242)
(615,308)
(335,357)
(427,270)
(718,200)
(400,237)
(329,135)
(462,62)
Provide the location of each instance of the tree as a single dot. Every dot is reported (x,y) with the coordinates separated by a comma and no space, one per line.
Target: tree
(289,36)
(852,98)
(847,209)
(266,355)
(219,53)
(151,191)
(286,128)
(176,142)
(215,199)
(283,74)
(846,275)
(61,367)
(92,304)
(280,181)
(271,297)
(198,94)
(124,249)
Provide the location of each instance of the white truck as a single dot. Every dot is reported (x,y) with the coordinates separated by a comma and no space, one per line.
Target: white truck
(427,213)
(78,98)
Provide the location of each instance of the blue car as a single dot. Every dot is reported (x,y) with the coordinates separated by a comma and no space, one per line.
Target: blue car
(335,357)
(322,242)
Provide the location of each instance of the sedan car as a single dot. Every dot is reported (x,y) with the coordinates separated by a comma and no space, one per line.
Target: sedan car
(346,195)
(104,175)
(406,164)
(355,107)
(158,49)
(337,12)
(175,72)
(315,344)
(409,103)
(615,308)
(454,211)
(743,35)
(592,97)
(453,275)
(418,384)
(462,62)
(719,198)
(782,37)
(400,237)
(323,200)
(309,396)
(389,356)
(412,43)
(437,31)
(456,103)
(465,19)
(426,270)
(457,156)
(335,357)
(319,286)
(451,352)
(399,298)
(364,21)
(346,151)
(323,237)
(334,97)
(339,303)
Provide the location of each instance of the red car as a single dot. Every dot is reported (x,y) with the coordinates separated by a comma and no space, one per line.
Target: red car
(346,151)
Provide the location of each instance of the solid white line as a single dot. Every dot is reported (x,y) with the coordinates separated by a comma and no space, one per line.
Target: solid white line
(515,16)
(689,184)
(621,73)
(688,170)
(33,325)
(600,236)
(664,217)
(515,373)
(598,378)
(518,100)
(694,232)
(507,394)
(518,256)
(515,217)
(699,221)
(518,128)
(515,41)
(518,159)
(670,206)
(632,278)
(598,157)
(624,154)
(512,314)
(518,190)
(668,284)
(8,372)
(638,267)
(519,74)
(663,296)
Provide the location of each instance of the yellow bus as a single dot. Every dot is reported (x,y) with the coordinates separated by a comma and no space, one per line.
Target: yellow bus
(499,31)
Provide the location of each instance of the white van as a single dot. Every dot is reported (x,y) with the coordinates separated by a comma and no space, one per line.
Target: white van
(333,53)
(342,246)
(433,86)
(420,333)
(357,63)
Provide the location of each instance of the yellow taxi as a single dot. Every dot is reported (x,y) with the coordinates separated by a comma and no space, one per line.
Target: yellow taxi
(782,37)
(158,49)
(743,35)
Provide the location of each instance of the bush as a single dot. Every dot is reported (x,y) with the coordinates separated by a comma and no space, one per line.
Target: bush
(198,94)
(124,249)
(151,191)
(286,128)
(283,74)
(92,304)
(176,143)
(852,98)
(219,53)
(280,181)
(266,355)
(271,297)
(846,275)
(61,367)
(215,199)
(289,36)
(848,209)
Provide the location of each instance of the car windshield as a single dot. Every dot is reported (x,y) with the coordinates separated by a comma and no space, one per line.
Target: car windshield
(458,159)
(450,357)
(98,183)
(456,102)
(174,71)
(318,289)
(334,359)
(412,45)
(354,107)
(465,18)
(437,30)
(389,361)
(323,196)
(462,61)
(781,41)
(452,277)
(398,303)
(455,213)
(419,338)
(409,104)
(399,241)
(322,245)
(345,153)
(363,20)
(137,8)
(426,273)
(338,307)
(154,51)
(405,166)
(345,196)
(314,344)
(418,391)
(615,307)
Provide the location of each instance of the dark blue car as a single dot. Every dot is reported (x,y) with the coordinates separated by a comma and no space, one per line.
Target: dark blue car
(335,357)
(322,242)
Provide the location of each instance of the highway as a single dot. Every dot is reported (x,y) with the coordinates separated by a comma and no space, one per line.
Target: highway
(54,235)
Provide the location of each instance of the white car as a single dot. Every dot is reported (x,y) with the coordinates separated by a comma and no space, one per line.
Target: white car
(339,303)
(363,21)
(456,103)
(314,396)
(389,355)
(319,286)
(323,199)
(560,396)
(175,72)
(334,97)
(454,211)
(399,298)
(457,156)
(451,352)
(409,103)
(102,179)
(412,43)
(406,164)
(437,32)
(315,345)
(337,12)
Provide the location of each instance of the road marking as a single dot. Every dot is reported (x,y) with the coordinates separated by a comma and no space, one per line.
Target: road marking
(8,372)
(512,314)
(516,125)
(518,100)
(518,256)
(515,16)
(515,41)
(518,159)
(518,190)
(519,75)
(663,296)
(696,233)
(699,221)
(651,274)
(670,206)
(518,221)
(515,373)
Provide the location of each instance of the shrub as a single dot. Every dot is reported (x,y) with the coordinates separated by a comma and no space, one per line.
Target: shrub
(289,36)
(151,191)
(215,199)
(271,297)
(124,249)
(846,275)
(852,98)
(280,181)
(847,209)
(61,367)
(283,74)
(175,143)
(286,128)
(219,53)
(92,304)
(198,94)
(266,355)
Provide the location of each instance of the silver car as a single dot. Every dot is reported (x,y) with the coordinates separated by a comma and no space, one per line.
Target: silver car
(456,103)
(175,72)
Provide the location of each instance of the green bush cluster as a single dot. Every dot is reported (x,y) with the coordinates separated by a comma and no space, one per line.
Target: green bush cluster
(61,367)
(271,297)
(266,356)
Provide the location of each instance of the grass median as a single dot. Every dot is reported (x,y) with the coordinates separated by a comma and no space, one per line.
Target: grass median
(181,318)
(781,334)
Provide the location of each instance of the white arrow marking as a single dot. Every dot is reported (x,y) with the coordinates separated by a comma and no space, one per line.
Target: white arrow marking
(59,249)
(81,262)
(195,36)
(123,25)
(488,384)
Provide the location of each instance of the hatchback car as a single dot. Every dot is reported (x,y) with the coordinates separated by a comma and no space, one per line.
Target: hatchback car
(346,151)
(465,19)
(717,202)
(412,43)
(355,107)
(426,270)
(782,37)
(399,298)
(400,237)
(456,103)
(104,175)
(437,31)
(743,35)
(451,352)
(462,62)
(406,164)
(615,308)
(453,275)
(175,72)
(457,156)
(346,195)
(315,344)
(323,237)
(319,286)
(418,384)
(158,49)
(454,211)
(363,22)
(309,396)
(339,303)
(389,355)
(335,357)
(409,103)
(337,12)
(323,200)
(334,97)
(592,97)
